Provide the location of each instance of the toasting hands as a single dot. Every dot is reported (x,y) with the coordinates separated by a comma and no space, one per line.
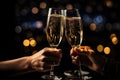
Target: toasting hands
(40,61)
(88,58)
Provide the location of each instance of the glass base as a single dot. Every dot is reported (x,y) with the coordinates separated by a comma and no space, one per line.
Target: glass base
(72,75)
(75,75)
(51,77)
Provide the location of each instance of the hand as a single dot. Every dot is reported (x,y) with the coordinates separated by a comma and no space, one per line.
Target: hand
(42,60)
(87,57)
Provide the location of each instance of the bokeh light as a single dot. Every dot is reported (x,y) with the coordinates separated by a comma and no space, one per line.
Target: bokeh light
(26,42)
(100,48)
(18,29)
(93,26)
(35,10)
(43,5)
(107,50)
(33,42)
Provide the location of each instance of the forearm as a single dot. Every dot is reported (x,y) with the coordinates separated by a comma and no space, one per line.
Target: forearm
(15,64)
(15,67)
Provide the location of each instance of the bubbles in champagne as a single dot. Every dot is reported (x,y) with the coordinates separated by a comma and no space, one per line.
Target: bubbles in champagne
(74,32)
(55,29)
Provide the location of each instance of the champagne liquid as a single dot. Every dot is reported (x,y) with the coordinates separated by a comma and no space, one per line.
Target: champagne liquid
(73,31)
(54,30)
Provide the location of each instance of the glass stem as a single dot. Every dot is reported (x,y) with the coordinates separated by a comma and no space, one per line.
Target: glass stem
(52,71)
(80,72)
(51,76)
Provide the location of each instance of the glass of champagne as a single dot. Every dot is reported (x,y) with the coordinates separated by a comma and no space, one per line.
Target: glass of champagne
(54,32)
(74,32)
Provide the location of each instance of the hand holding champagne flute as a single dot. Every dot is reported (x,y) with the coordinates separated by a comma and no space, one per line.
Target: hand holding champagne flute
(54,32)
(74,30)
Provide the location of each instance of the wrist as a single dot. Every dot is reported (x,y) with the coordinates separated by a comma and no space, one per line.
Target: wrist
(29,64)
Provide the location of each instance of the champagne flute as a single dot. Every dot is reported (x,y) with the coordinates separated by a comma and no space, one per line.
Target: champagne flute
(54,32)
(74,31)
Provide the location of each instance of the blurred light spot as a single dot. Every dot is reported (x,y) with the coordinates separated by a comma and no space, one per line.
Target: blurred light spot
(112,35)
(114,40)
(33,42)
(26,42)
(92,26)
(18,29)
(87,19)
(39,24)
(35,10)
(89,9)
(69,6)
(43,5)
(98,19)
(109,3)
(107,50)
(100,48)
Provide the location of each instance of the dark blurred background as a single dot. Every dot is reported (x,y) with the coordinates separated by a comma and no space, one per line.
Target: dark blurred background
(23,22)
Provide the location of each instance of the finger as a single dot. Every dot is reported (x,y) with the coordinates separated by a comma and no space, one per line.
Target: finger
(53,52)
(37,63)
(90,51)
(41,66)
(73,52)
(85,51)
(82,47)
(43,69)
(82,51)
(75,60)
(74,57)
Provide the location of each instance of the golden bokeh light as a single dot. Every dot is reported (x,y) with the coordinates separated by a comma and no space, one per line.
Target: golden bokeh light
(33,42)
(35,10)
(93,26)
(89,9)
(100,48)
(26,42)
(69,6)
(114,40)
(112,35)
(109,3)
(43,5)
(107,50)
